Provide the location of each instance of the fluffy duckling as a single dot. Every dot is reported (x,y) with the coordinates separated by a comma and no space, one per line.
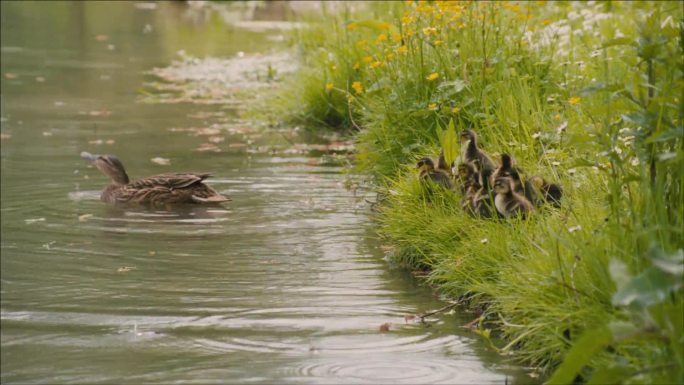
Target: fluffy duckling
(508,168)
(535,188)
(507,201)
(428,172)
(466,177)
(549,192)
(483,200)
(472,154)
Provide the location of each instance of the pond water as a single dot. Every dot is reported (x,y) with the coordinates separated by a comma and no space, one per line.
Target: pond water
(285,284)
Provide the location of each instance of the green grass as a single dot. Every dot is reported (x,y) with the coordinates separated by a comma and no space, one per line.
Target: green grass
(587,95)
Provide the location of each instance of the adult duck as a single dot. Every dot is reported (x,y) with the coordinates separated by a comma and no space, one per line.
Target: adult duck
(161,190)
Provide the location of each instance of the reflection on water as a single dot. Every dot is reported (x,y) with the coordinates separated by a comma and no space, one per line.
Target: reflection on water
(283,284)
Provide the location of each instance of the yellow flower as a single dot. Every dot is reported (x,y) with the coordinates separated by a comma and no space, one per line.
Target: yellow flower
(390,56)
(329,87)
(358,88)
(557,117)
(455,110)
(407,19)
(438,42)
(367,59)
(376,64)
(433,107)
(382,37)
(402,50)
(361,43)
(352,26)
(356,66)
(396,37)
(546,22)
(432,76)
(427,31)
(574,100)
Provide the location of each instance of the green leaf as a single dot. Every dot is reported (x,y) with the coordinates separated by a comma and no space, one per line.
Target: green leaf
(650,287)
(673,264)
(590,343)
(450,143)
(619,273)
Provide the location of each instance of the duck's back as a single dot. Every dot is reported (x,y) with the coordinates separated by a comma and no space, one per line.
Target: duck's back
(169,189)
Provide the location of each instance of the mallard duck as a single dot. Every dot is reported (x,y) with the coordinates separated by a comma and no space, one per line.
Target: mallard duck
(508,168)
(507,201)
(483,199)
(466,177)
(535,188)
(471,153)
(549,192)
(428,172)
(157,191)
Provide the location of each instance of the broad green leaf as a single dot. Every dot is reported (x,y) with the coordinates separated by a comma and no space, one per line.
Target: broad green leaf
(650,287)
(619,273)
(673,264)
(579,355)
(450,143)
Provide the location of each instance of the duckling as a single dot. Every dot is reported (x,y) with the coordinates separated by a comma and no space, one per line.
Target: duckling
(483,200)
(507,201)
(508,168)
(428,172)
(549,192)
(466,176)
(471,152)
(157,191)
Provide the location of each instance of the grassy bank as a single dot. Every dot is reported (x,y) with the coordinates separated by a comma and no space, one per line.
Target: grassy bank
(584,94)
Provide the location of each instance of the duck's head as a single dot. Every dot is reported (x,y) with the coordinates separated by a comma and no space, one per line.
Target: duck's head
(468,136)
(425,164)
(503,185)
(110,165)
(537,181)
(508,168)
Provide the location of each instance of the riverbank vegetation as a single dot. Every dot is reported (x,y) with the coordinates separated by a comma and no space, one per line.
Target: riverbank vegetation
(586,94)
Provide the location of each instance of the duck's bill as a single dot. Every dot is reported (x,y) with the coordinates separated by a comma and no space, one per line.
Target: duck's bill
(88,156)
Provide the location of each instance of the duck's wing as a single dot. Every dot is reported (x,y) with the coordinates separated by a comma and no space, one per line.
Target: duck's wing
(171,181)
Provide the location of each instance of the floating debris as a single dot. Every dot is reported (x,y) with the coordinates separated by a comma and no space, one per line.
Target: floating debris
(84,217)
(161,161)
(384,328)
(125,269)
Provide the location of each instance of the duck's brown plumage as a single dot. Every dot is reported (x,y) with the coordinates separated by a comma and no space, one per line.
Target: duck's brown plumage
(535,188)
(157,191)
(507,201)
(473,154)
(428,172)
